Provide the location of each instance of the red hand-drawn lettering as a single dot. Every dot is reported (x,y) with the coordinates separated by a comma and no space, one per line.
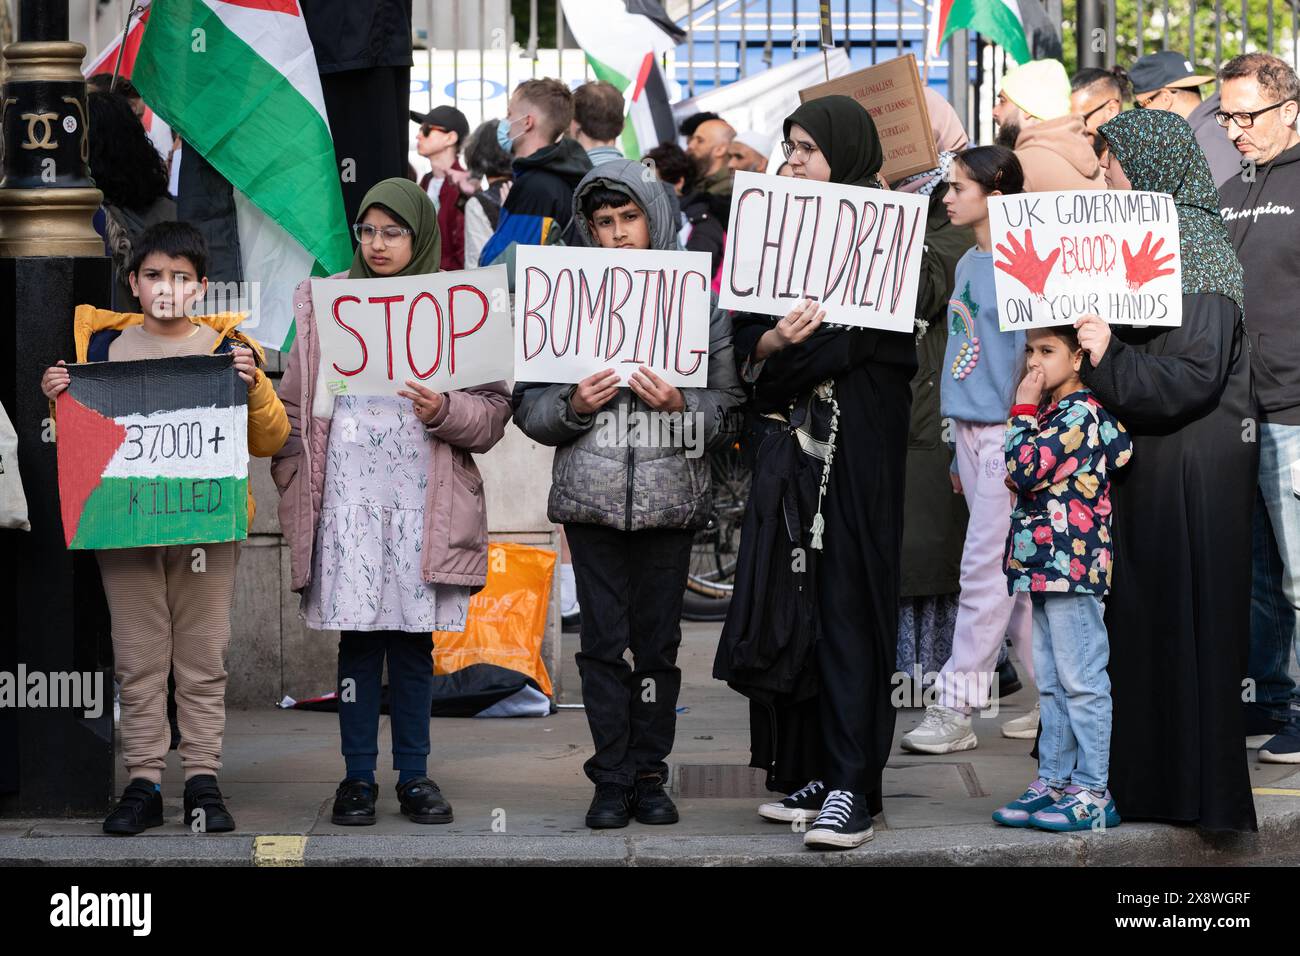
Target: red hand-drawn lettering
(1024,265)
(365,353)
(388,301)
(1141,268)
(451,320)
(410,317)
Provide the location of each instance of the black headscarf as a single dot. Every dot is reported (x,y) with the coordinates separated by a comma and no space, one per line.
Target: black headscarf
(845,133)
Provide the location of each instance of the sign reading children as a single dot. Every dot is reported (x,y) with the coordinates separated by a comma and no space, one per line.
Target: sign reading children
(445,330)
(1062,255)
(580,311)
(855,250)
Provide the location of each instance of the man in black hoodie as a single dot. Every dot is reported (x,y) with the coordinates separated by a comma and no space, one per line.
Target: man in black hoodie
(547,167)
(1260,98)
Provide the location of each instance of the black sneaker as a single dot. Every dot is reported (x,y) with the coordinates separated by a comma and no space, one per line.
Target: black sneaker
(1284,748)
(354,803)
(611,807)
(139,809)
(651,803)
(802,805)
(203,794)
(423,802)
(843,823)
(1261,726)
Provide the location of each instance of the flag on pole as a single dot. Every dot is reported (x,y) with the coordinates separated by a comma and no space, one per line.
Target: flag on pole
(1021,27)
(624,42)
(238,80)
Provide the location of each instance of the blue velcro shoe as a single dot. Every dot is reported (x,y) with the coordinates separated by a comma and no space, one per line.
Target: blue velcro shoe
(1077,809)
(1039,796)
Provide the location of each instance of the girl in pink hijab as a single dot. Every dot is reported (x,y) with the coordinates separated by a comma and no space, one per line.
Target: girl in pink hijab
(949,139)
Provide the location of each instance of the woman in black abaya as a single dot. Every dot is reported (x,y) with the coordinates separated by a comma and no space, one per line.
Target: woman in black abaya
(1179,611)
(857,587)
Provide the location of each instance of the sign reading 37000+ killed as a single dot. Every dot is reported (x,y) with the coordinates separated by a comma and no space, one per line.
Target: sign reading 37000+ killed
(855,250)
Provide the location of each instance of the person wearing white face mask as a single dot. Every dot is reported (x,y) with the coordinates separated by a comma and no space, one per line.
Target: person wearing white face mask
(547,166)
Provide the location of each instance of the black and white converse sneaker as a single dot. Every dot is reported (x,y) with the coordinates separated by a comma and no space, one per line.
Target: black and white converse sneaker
(801,805)
(843,823)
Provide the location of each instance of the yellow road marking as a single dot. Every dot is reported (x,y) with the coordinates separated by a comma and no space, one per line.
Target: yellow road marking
(279,850)
(1275,792)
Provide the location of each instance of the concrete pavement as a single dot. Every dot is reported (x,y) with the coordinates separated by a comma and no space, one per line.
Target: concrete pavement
(519,795)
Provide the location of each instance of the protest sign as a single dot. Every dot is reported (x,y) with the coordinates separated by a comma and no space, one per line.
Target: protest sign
(855,250)
(894,96)
(446,330)
(579,311)
(153,452)
(1060,255)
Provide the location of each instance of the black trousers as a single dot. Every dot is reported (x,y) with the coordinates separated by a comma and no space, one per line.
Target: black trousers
(630,586)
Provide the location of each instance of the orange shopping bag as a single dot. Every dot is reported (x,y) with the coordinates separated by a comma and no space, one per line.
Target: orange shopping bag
(507,619)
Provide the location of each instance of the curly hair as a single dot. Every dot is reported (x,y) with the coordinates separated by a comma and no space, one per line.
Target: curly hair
(123,161)
(484,155)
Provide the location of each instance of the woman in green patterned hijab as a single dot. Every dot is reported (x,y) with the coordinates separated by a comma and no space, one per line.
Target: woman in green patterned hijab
(1157,151)
(1178,616)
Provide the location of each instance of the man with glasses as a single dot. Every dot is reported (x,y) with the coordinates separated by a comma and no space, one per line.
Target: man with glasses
(442,134)
(1097,96)
(1167,81)
(1261,99)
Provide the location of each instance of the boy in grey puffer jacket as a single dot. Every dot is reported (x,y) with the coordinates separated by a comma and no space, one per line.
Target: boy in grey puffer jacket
(631,484)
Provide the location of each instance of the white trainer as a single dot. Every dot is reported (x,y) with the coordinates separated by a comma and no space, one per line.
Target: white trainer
(942,731)
(1023,728)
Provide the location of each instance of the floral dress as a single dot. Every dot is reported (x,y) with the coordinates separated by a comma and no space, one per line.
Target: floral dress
(366,563)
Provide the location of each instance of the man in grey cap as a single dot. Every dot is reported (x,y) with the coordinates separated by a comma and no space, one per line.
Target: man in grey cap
(1168,81)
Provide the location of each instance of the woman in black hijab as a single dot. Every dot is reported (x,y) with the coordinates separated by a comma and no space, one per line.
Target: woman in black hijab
(842,737)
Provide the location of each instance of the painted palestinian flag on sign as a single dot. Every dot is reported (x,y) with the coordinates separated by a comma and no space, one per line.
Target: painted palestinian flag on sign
(153,452)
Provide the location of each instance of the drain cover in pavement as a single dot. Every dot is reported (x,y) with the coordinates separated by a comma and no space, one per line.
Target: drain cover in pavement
(720,780)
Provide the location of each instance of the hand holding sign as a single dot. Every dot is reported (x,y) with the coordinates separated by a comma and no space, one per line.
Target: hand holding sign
(594,392)
(1023,263)
(655,392)
(1142,268)
(1094,337)
(245,364)
(795,326)
(55,380)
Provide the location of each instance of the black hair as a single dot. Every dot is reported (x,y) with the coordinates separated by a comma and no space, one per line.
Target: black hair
(1066,333)
(388,212)
(124,162)
(103,83)
(1115,78)
(993,167)
(692,123)
(179,240)
(601,197)
(484,155)
(673,165)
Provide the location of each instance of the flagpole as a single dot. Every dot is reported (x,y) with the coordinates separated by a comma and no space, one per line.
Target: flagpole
(121,47)
(925,41)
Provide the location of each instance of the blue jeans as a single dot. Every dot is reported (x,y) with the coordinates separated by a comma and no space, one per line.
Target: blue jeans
(1071,650)
(1275,594)
(410,697)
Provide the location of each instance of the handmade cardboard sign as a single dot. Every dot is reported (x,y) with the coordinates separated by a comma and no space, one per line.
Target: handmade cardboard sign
(855,250)
(894,96)
(153,452)
(446,330)
(581,311)
(1061,255)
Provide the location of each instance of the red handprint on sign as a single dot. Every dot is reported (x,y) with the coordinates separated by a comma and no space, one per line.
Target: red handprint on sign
(1142,268)
(1024,265)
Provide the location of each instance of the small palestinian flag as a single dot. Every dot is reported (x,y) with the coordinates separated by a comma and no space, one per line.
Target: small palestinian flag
(153,452)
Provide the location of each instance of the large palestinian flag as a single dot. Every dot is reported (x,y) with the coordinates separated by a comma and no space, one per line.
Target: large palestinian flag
(153,452)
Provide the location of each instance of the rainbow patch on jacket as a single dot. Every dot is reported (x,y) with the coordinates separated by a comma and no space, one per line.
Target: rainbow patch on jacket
(153,452)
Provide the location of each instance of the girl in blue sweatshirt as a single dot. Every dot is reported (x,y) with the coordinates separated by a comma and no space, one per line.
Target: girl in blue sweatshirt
(1061,447)
(978,379)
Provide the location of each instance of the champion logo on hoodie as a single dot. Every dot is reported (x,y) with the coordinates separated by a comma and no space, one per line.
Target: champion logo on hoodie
(1231,215)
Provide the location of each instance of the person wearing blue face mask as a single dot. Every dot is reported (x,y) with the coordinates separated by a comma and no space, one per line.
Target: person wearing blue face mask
(547,166)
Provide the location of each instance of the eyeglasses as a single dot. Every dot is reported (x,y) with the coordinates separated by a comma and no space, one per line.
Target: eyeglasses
(1088,115)
(428,128)
(794,149)
(1143,104)
(366,233)
(1244,120)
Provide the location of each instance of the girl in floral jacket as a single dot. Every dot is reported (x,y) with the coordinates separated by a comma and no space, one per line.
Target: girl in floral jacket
(1061,446)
